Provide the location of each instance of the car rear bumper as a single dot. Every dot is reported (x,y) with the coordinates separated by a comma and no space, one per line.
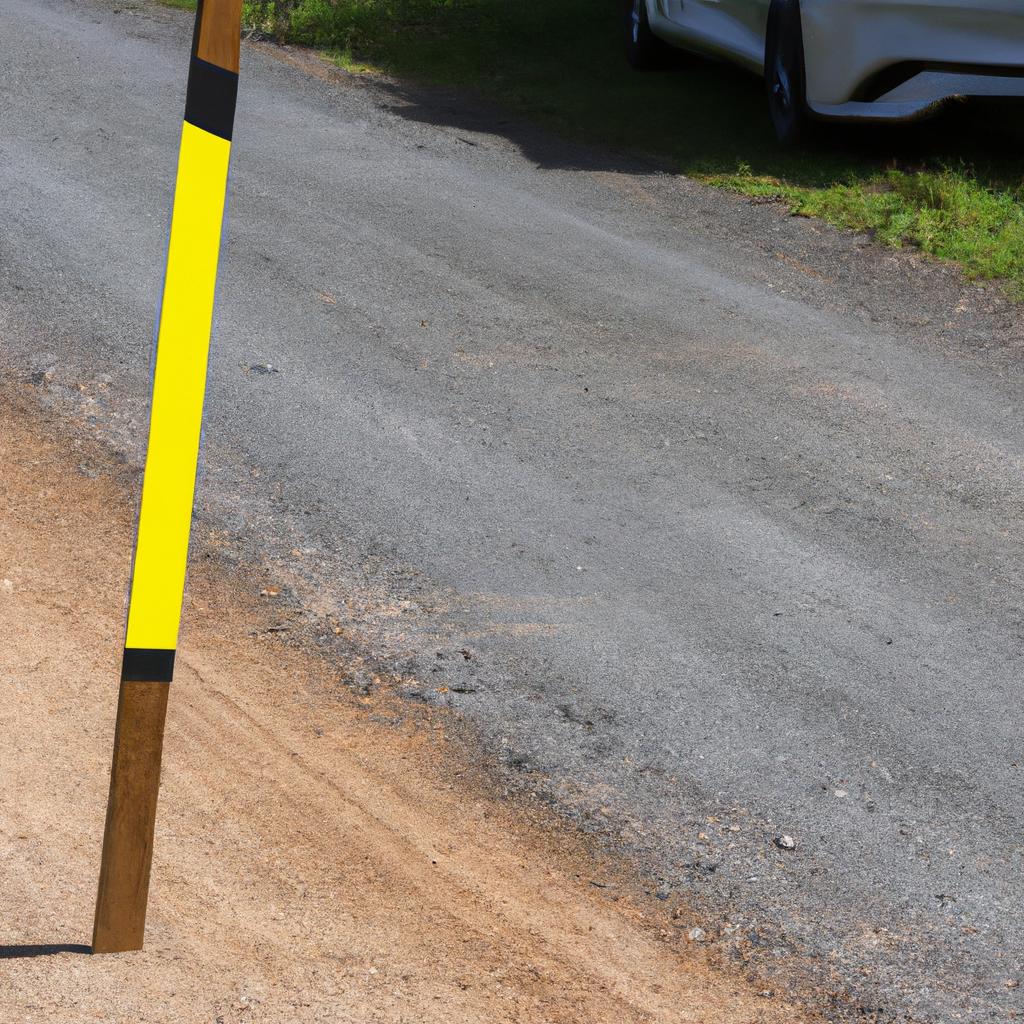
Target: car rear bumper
(922,95)
(899,59)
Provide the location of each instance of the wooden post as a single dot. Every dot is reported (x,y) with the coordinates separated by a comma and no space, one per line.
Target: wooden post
(131,815)
(165,516)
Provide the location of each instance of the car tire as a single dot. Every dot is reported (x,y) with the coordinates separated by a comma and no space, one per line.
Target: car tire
(644,50)
(784,71)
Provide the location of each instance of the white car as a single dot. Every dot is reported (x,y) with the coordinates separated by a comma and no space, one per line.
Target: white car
(878,60)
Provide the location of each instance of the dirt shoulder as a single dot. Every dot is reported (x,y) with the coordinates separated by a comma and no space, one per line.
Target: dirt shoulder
(320,855)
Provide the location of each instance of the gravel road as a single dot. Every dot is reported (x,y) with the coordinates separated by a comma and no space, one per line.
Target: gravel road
(322,856)
(707,518)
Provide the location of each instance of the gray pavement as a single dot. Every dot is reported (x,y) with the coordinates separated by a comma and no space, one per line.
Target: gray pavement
(706,518)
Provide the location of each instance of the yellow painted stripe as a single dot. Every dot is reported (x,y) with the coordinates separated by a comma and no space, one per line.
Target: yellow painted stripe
(183,342)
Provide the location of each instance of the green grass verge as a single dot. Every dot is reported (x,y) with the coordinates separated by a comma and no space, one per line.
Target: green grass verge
(953,187)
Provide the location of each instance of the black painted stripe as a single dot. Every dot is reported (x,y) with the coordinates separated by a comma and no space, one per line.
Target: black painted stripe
(210,103)
(147,665)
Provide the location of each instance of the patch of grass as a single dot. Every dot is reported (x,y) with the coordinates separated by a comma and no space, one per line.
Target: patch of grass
(948,214)
(951,187)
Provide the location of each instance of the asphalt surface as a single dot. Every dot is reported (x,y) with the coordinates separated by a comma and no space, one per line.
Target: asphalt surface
(708,519)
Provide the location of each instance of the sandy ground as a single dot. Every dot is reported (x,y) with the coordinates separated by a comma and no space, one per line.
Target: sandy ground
(320,855)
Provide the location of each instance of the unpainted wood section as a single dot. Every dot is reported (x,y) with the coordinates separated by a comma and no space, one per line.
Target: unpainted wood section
(218,39)
(120,922)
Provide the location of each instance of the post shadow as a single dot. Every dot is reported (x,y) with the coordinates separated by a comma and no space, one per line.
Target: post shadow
(19,952)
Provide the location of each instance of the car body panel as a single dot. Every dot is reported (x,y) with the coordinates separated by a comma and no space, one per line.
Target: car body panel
(922,96)
(873,59)
(707,26)
(848,41)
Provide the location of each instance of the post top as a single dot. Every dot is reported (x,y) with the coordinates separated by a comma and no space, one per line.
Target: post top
(218,33)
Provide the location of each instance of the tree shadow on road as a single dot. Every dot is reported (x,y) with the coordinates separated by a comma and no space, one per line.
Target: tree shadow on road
(562,65)
(729,133)
(552,80)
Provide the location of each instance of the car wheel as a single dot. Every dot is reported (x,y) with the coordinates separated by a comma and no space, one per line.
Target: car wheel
(784,71)
(643,48)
